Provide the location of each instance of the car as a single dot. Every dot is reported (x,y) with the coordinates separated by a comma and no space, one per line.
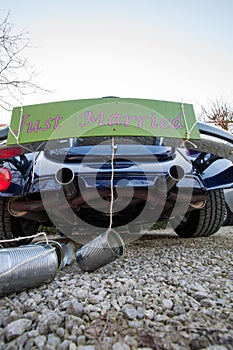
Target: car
(112,163)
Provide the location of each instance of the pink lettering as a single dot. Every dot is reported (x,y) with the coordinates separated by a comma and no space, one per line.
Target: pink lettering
(101,116)
(176,122)
(164,123)
(114,119)
(127,120)
(47,123)
(89,118)
(24,119)
(57,119)
(35,128)
(141,120)
(153,125)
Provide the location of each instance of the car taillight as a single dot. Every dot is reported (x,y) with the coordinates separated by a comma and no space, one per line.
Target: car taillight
(9,152)
(5,179)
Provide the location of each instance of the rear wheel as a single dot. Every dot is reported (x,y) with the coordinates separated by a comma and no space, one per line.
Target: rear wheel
(13,227)
(206,221)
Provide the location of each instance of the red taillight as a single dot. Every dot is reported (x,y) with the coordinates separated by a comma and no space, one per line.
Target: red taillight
(5,179)
(9,152)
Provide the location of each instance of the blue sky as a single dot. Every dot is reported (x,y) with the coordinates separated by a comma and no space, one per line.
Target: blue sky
(160,49)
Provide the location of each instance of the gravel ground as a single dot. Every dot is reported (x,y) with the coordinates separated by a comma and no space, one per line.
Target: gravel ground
(166,293)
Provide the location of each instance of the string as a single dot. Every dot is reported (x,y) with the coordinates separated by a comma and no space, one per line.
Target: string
(188,131)
(27,237)
(185,121)
(111,186)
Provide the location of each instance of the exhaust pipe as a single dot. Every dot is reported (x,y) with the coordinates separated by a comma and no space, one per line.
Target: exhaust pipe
(174,175)
(31,211)
(65,177)
(180,210)
(197,205)
(34,209)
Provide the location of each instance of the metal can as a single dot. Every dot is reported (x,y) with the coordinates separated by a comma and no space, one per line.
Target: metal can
(26,267)
(65,252)
(100,251)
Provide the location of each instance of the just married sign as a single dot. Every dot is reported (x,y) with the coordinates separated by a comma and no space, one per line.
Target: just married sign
(102,117)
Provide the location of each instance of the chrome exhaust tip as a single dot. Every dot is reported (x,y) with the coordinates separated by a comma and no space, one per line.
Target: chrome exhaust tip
(65,177)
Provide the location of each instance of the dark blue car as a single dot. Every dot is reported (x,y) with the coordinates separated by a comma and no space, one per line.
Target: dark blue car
(126,182)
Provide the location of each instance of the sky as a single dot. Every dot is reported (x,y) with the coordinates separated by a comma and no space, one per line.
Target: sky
(172,50)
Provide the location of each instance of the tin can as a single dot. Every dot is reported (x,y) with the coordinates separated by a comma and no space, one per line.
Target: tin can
(100,251)
(26,267)
(65,252)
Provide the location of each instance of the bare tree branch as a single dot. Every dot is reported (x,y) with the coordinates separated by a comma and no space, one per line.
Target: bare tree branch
(220,113)
(16,74)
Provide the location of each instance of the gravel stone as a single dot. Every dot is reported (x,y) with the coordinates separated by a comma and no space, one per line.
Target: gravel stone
(72,321)
(81,294)
(120,346)
(40,341)
(65,345)
(29,344)
(149,314)
(94,315)
(81,339)
(207,302)
(130,340)
(94,299)
(130,312)
(140,312)
(48,322)
(167,303)
(135,324)
(200,295)
(75,308)
(16,328)
(53,340)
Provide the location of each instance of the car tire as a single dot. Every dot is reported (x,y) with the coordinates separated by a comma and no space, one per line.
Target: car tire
(13,227)
(206,221)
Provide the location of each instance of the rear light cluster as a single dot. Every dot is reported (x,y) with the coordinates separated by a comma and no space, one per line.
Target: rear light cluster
(5,179)
(9,152)
(5,174)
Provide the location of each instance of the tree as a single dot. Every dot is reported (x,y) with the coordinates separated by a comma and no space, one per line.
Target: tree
(220,113)
(16,75)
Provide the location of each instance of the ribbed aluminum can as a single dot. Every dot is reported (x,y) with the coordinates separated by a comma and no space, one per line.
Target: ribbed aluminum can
(100,251)
(26,267)
(65,252)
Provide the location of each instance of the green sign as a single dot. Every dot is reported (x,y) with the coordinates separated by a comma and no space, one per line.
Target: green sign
(102,117)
